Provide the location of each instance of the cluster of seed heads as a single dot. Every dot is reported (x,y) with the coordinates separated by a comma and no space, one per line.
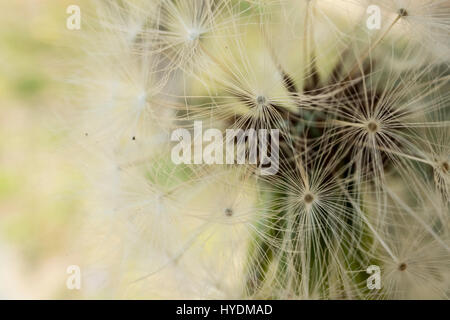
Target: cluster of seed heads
(364,146)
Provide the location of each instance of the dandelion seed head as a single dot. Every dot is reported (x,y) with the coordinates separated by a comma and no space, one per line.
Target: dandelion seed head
(363,164)
(423,22)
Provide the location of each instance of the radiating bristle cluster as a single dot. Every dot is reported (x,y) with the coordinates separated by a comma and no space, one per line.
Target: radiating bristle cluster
(362,177)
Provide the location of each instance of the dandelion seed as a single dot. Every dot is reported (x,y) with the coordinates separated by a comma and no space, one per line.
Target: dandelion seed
(424,22)
(181,28)
(426,267)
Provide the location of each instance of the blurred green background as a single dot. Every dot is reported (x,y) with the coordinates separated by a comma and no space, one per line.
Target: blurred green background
(39,206)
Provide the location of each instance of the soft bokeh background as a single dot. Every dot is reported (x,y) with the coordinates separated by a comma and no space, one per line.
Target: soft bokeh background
(40,204)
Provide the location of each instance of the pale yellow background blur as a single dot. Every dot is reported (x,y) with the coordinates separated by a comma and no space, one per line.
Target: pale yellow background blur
(40,206)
